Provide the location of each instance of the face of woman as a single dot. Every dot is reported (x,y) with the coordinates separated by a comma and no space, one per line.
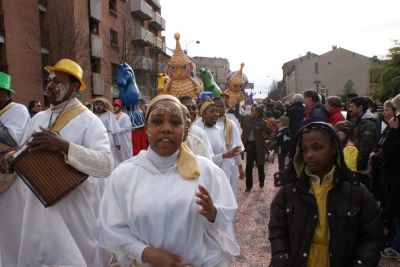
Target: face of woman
(387,113)
(318,152)
(308,101)
(165,127)
(210,115)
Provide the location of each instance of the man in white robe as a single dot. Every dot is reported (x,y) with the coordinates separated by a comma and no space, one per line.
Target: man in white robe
(231,133)
(67,233)
(125,133)
(105,112)
(13,120)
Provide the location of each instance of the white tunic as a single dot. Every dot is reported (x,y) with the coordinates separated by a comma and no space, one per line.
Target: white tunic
(12,201)
(198,131)
(113,129)
(235,138)
(66,234)
(143,207)
(125,136)
(217,141)
(197,146)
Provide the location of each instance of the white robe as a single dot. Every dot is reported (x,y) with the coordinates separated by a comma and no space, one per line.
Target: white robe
(113,129)
(142,207)
(217,141)
(125,136)
(197,131)
(197,146)
(12,200)
(235,138)
(67,233)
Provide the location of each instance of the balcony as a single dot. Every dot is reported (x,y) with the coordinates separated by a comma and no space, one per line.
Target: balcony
(96,46)
(156,4)
(143,63)
(142,36)
(157,22)
(98,83)
(141,9)
(95,9)
(158,44)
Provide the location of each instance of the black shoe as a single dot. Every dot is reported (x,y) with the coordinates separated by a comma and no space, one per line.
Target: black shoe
(247,190)
(261,184)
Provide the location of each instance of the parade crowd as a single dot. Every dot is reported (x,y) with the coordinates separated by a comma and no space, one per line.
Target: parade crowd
(164,194)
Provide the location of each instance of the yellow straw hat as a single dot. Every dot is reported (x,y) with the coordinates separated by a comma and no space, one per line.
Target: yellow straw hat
(71,67)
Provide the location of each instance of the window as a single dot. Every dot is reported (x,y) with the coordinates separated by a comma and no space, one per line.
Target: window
(114,68)
(316,67)
(113,7)
(113,39)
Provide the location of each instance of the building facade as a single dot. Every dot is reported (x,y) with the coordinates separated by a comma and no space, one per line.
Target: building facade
(219,68)
(98,34)
(327,73)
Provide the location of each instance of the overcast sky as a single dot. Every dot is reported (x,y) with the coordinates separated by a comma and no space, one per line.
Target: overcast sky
(264,34)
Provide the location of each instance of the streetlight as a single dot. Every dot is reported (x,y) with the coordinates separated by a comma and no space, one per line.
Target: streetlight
(187,43)
(317,83)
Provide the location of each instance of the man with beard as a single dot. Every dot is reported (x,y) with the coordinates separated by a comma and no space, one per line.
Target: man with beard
(67,233)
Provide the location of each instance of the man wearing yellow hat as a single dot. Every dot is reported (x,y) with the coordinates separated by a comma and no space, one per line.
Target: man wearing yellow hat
(66,234)
(13,121)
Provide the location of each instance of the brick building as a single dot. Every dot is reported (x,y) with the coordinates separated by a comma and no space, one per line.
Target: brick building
(97,34)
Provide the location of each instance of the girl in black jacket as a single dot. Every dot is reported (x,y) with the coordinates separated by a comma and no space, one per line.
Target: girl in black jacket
(321,216)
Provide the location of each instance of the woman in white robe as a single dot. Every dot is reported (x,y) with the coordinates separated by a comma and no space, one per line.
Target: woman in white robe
(167,205)
(221,155)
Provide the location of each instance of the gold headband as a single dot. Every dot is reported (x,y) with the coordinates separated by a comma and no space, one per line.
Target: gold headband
(205,104)
(159,98)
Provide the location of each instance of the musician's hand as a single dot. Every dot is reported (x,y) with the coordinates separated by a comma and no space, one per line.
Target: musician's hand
(48,141)
(160,258)
(208,209)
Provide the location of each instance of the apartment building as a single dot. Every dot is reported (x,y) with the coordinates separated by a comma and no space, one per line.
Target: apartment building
(219,68)
(98,34)
(327,73)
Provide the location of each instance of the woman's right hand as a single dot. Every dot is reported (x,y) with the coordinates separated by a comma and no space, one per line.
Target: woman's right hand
(160,258)
(233,152)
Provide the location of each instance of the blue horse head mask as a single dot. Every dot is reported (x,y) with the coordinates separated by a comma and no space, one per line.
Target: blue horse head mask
(129,94)
(128,89)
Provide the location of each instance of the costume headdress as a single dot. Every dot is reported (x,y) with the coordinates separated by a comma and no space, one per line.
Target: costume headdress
(179,57)
(237,77)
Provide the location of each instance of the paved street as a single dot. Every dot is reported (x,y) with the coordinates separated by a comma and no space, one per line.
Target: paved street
(252,221)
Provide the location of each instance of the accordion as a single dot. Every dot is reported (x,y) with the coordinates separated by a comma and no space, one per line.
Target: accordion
(47,175)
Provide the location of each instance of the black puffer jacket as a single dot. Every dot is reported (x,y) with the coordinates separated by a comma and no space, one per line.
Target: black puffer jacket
(355,226)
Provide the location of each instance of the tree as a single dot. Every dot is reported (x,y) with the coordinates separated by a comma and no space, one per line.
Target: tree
(348,88)
(385,77)
(274,92)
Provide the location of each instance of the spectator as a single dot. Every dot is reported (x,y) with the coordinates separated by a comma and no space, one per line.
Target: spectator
(391,170)
(255,133)
(34,107)
(366,135)
(315,110)
(345,131)
(348,100)
(320,216)
(334,106)
(295,113)
(283,142)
